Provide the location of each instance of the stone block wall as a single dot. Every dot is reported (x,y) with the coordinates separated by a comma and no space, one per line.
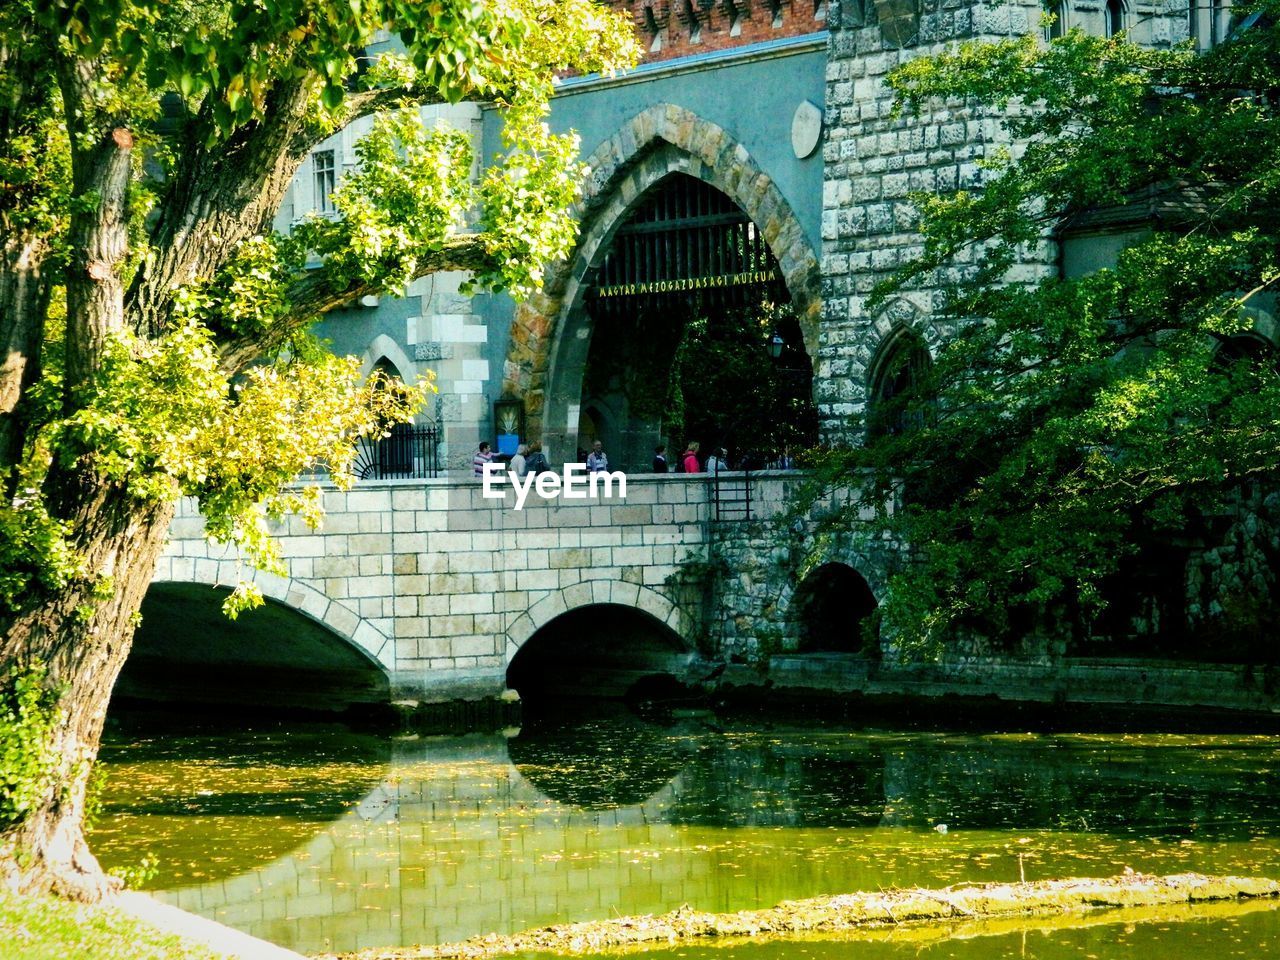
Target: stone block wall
(873,160)
(756,568)
(441,587)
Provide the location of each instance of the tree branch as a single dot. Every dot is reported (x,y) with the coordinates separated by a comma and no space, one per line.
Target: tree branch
(219,197)
(313,295)
(362,103)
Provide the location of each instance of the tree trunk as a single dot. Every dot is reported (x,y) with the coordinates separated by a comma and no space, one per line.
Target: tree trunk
(25,280)
(24,299)
(82,642)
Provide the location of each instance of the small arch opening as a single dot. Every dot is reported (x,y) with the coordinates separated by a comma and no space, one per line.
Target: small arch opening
(834,608)
(602,651)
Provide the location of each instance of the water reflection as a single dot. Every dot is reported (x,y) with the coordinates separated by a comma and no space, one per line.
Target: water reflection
(211,805)
(339,842)
(603,760)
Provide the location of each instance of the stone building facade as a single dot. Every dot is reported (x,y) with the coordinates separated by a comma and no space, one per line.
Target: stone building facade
(873,159)
(728,93)
(782,107)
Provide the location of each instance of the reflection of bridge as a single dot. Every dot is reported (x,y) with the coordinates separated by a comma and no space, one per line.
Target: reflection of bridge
(457,841)
(437,588)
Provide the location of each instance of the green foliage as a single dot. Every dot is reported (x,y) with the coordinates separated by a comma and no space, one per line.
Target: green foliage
(1083,425)
(526,201)
(28,715)
(218,393)
(229,55)
(34,552)
(410,193)
(163,421)
(726,389)
(249,295)
(138,874)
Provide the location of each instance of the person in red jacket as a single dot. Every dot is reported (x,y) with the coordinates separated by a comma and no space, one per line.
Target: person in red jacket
(690,458)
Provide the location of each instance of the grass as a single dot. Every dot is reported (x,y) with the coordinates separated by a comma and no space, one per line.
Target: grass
(46,928)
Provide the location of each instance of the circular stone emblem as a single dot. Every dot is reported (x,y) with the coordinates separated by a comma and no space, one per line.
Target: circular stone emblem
(806,129)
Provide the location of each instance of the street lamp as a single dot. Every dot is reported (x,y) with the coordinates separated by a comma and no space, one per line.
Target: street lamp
(776,343)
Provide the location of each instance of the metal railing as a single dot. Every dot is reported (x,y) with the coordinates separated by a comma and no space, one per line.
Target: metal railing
(731,495)
(410,453)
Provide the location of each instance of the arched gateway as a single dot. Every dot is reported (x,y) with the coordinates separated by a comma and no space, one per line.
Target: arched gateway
(673,206)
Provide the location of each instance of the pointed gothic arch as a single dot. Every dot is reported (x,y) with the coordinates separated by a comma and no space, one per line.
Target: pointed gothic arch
(551,332)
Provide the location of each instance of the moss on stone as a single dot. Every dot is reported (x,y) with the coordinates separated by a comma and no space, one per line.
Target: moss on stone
(951,905)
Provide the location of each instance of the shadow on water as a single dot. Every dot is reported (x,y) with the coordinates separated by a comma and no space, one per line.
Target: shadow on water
(596,755)
(212,798)
(593,755)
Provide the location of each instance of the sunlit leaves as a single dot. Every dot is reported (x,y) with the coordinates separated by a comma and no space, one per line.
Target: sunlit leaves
(163,421)
(229,56)
(168,413)
(526,200)
(408,195)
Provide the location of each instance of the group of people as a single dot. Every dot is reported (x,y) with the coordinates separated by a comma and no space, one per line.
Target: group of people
(717,460)
(689,461)
(529,459)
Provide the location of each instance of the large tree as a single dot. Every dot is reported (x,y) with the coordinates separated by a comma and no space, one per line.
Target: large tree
(153,326)
(1076,432)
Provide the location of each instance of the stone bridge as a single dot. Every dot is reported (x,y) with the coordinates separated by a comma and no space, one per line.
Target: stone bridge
(434,589)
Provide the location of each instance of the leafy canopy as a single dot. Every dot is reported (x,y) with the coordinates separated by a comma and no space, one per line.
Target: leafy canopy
(1079,425)
(205,382)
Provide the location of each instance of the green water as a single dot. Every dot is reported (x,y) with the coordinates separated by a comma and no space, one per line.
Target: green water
(319,839)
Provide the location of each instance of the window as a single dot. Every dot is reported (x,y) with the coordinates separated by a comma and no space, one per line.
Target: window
(325,174)
(1115,17)
(1193,21)
(895,378)
(654,29)
(1057,10)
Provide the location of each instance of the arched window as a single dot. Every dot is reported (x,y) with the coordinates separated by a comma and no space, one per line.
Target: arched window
(407,451)
(1058,10)
(894,381)
(1115,17)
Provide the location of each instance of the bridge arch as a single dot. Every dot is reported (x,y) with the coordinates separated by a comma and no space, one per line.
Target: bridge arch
(841,572)
(551,332)
(335,616)
(588,593)
(830,606)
